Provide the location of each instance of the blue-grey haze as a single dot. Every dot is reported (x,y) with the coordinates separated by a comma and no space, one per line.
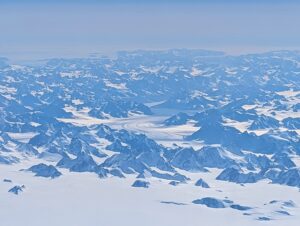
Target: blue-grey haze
(75,28)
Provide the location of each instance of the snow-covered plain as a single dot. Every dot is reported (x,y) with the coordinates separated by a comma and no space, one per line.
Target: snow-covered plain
(82,199)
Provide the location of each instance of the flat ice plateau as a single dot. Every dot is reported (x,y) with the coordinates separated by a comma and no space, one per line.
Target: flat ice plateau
(79,199)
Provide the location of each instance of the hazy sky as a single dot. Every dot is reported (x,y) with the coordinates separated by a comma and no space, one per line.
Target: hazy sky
(61,28)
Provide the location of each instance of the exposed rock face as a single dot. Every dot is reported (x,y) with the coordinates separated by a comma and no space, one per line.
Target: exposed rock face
(210,202)
(141,184)
(201,183)
(17,189)
(43,170)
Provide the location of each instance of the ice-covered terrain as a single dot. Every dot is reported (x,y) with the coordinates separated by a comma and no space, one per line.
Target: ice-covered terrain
(178,137)
(83,199)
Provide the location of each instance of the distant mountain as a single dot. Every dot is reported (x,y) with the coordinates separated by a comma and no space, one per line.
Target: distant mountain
(206,110)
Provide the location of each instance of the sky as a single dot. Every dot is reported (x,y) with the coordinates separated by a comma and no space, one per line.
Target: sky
(45,28)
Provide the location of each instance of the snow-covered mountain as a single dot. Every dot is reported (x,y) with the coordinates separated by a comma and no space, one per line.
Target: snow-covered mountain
(177,120)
